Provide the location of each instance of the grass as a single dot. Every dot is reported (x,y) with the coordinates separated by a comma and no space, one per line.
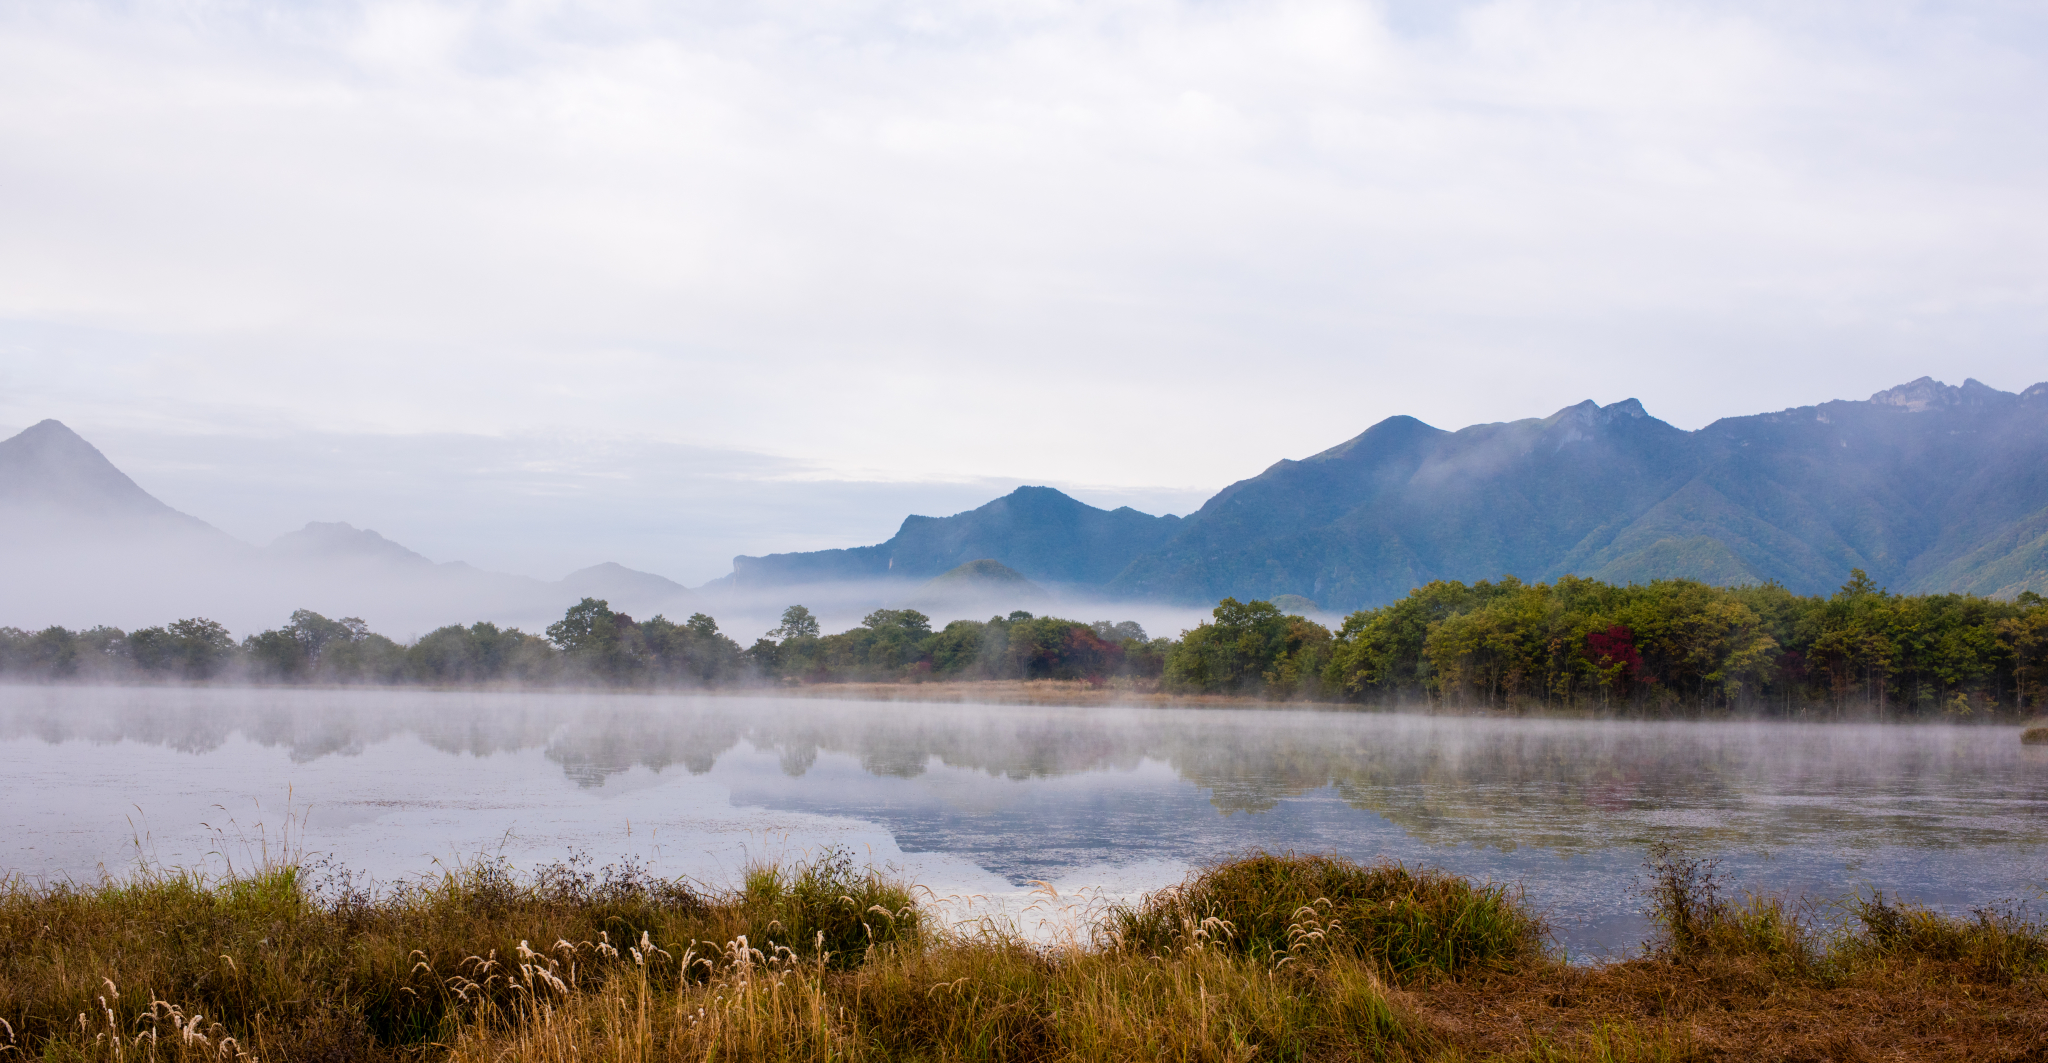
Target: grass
(1059,692)
(1269,956)
(2035,736)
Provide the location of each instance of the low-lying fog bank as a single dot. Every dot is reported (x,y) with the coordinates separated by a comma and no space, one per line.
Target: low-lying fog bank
(982,800)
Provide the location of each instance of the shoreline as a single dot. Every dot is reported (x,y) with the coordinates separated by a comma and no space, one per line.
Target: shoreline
(1072,693)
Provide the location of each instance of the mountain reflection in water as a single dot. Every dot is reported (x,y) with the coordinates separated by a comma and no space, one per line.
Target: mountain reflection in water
(1953,814)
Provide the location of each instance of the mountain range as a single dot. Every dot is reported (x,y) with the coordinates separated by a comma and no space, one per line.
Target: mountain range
(1926,486)
(86,544)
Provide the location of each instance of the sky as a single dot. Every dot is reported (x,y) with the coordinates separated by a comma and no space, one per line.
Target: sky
(538,284)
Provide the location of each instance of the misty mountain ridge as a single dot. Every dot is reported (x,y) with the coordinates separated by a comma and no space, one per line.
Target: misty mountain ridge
(52,480)
(1926,486)
(983,585)
(342,541)
(1044,535)
(90,545)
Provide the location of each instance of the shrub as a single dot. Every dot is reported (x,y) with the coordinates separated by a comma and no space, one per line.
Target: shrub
(1272,906)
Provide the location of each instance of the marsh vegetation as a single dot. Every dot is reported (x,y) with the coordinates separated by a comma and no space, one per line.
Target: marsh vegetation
(1262,957)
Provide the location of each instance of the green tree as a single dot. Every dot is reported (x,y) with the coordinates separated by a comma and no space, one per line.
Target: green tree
(1236,650)
(797,623)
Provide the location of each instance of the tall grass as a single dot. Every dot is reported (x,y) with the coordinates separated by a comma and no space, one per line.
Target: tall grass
(1273,907)
(1266,957)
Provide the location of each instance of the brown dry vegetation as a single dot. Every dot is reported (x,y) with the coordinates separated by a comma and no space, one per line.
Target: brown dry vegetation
(1266,957)
(1064,692)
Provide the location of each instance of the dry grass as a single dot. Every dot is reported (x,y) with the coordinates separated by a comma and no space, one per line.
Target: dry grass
(1062,692)
(2035,736)
(1268,957)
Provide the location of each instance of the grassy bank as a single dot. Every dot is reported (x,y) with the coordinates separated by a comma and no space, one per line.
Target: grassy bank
(1261,958)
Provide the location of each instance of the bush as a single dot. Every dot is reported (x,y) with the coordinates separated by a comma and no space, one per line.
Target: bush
(1270,907)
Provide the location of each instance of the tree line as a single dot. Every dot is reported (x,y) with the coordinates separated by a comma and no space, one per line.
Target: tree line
(592,645)
(1668,646)
(897,644)
(1660,648)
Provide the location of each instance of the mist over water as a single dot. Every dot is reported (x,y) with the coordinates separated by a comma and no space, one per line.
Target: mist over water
(985,799)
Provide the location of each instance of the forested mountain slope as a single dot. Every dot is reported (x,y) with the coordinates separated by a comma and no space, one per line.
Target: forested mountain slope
(1045,535)
(1927,487)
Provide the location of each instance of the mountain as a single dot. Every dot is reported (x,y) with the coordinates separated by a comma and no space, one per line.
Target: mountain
(980,586)
(54,483)
(1041,533)
(1926,486)
(86,544)
(641,594)
(339,541)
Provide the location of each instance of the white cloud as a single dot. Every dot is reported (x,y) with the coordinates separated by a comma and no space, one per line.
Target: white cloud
(1137,242)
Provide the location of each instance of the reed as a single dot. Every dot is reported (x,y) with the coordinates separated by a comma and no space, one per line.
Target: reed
(1277,957)
(1273,907)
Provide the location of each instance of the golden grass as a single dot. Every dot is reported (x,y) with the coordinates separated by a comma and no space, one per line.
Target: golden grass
(827,961)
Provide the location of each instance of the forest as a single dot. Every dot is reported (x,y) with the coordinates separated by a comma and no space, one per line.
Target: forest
(1666,647)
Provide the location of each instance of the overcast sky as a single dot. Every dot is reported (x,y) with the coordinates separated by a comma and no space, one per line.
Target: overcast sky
(540,284)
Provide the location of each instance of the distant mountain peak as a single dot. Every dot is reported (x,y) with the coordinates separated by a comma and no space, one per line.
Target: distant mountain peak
(631,591)
(48,462)
(339,540)
(1591,414)
(984,583)
(982,570)
(1041,532)
(1927,393)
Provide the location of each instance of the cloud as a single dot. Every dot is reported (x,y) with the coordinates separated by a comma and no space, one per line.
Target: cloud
(1126,242)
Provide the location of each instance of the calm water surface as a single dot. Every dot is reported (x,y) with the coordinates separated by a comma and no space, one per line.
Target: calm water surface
(986,801)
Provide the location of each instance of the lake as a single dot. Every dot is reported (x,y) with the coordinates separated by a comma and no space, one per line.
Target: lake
(996,807)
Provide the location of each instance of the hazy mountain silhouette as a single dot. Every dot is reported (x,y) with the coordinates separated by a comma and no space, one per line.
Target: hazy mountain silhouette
(1926,486)
(87,544)
(1041,533)
(982,585)
(629,590)
(340,541)
(54,483)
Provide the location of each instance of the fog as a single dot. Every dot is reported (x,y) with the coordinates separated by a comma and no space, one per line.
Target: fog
(842,604)
(984,798)
(88,546)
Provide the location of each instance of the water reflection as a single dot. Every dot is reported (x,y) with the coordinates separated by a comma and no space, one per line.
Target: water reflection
(1949,813)
(1507,783)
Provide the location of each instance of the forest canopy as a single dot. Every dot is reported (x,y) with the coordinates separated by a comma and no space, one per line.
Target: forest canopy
(1659,648)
